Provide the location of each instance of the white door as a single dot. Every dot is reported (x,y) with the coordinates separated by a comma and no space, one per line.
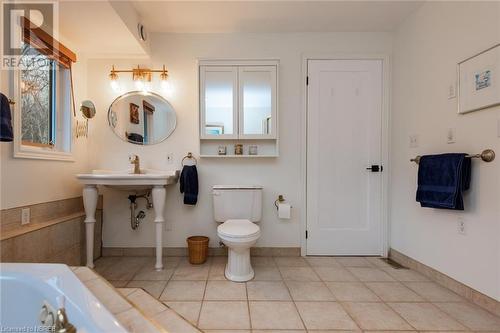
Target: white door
(344,134)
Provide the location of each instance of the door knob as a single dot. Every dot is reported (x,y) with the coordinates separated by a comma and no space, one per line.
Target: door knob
(375,168)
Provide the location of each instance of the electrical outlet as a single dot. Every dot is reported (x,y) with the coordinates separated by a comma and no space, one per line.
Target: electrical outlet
(413,141)
(461,226)
(170,158)
(450,135)
(168,226)
(25,216)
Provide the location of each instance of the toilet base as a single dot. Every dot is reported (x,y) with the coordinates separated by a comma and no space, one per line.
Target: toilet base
(239,267)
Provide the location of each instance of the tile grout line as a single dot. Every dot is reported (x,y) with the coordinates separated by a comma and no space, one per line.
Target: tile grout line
(341,305)
(248,305)
(290,294)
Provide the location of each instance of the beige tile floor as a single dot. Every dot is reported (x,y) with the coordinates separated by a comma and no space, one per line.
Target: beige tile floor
(293,294)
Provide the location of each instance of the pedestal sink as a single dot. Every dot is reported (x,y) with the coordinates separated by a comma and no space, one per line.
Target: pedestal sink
(148,179)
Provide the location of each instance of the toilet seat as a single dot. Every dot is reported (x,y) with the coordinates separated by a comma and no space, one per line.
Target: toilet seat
(238,229)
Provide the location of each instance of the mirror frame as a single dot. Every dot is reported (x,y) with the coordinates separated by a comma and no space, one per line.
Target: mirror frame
(145,93)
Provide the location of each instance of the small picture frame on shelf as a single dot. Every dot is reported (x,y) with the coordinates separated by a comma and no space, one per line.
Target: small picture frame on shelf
(214,129)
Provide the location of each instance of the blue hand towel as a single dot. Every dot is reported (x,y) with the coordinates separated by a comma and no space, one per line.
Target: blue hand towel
(442,179)
(189,184)
(5,119)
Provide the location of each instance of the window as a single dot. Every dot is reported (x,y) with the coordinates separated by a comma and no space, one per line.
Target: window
(42,119)
(38,90)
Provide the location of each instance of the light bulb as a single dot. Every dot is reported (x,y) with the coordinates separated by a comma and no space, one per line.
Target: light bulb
(114,85)
(139,84)
(166,86)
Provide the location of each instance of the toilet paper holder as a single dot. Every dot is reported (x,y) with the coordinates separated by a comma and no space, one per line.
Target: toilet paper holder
(280,199)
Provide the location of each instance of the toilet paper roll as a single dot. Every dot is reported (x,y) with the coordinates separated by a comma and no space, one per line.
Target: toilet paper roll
(284,210)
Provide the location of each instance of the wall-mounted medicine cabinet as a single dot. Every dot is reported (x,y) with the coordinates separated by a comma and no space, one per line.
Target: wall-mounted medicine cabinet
(238,104)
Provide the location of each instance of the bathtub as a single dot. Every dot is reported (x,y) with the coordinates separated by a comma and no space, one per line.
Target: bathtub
(25,287)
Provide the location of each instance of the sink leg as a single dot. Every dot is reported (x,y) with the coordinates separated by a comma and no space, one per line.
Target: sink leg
(90,203)
(159,194)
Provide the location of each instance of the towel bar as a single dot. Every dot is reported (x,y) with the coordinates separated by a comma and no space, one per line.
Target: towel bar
(486,155)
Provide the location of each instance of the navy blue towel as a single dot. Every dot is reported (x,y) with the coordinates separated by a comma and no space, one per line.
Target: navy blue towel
(189,184)
(5,120)
(135,138)
(442,179)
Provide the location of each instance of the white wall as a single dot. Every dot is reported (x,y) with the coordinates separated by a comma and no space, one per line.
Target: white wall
(278,175)
(28,181)
(427,48)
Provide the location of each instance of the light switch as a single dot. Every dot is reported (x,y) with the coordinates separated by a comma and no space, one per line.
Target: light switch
(452,91)
(414,141)
(450,136)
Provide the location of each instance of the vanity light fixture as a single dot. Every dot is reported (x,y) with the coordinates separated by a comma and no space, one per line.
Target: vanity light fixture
(141,76)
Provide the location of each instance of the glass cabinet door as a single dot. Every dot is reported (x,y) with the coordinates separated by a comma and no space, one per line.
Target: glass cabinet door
(218,102)
(257,102)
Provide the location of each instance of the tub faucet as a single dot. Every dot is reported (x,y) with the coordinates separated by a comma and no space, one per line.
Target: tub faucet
(134,159)
(62,325)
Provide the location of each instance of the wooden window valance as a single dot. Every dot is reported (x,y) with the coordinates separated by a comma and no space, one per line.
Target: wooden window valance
(46,44)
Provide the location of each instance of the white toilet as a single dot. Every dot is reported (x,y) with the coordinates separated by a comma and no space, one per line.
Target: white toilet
(238,208)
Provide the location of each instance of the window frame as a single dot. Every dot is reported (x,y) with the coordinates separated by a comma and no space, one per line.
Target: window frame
(42,151)
(61,123)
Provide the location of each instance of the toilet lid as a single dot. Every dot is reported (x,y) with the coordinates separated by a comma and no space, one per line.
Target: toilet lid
(238,228)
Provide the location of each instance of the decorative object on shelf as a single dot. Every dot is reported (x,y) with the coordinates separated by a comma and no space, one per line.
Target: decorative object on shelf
(143,118)
(222,150)
(238,149)
(141,76)
(214,129)
(487,155)
(476,77)
(253,150)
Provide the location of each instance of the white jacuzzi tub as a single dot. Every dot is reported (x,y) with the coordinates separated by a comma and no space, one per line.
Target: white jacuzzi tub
(25,287)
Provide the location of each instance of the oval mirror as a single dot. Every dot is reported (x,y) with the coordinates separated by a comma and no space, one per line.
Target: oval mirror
(87,108)
(142,118)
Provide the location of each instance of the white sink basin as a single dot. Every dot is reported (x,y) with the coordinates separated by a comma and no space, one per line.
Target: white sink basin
(125,180)
(156,180)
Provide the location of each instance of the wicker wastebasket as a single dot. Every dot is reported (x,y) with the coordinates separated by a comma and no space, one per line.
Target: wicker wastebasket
(198,249)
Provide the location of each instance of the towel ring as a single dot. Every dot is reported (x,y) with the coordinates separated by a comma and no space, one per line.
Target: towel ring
(189,156)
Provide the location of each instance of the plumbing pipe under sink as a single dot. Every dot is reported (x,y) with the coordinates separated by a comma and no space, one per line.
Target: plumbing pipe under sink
(135,220)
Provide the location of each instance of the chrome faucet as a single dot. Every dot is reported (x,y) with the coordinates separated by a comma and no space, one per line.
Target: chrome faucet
(134,159)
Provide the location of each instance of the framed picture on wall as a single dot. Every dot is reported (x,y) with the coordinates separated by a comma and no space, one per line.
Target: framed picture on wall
(134,113)
(479,81)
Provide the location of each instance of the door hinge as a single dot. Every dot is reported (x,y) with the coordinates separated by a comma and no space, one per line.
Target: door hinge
(307,80)
(307,234)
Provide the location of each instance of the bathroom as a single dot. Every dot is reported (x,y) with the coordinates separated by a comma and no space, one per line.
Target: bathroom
(306,277)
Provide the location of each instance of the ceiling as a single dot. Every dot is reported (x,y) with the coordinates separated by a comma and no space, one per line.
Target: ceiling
(96,29)
(107,29)
(272,16)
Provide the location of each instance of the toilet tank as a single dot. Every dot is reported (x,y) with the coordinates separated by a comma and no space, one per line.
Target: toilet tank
(237,202)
